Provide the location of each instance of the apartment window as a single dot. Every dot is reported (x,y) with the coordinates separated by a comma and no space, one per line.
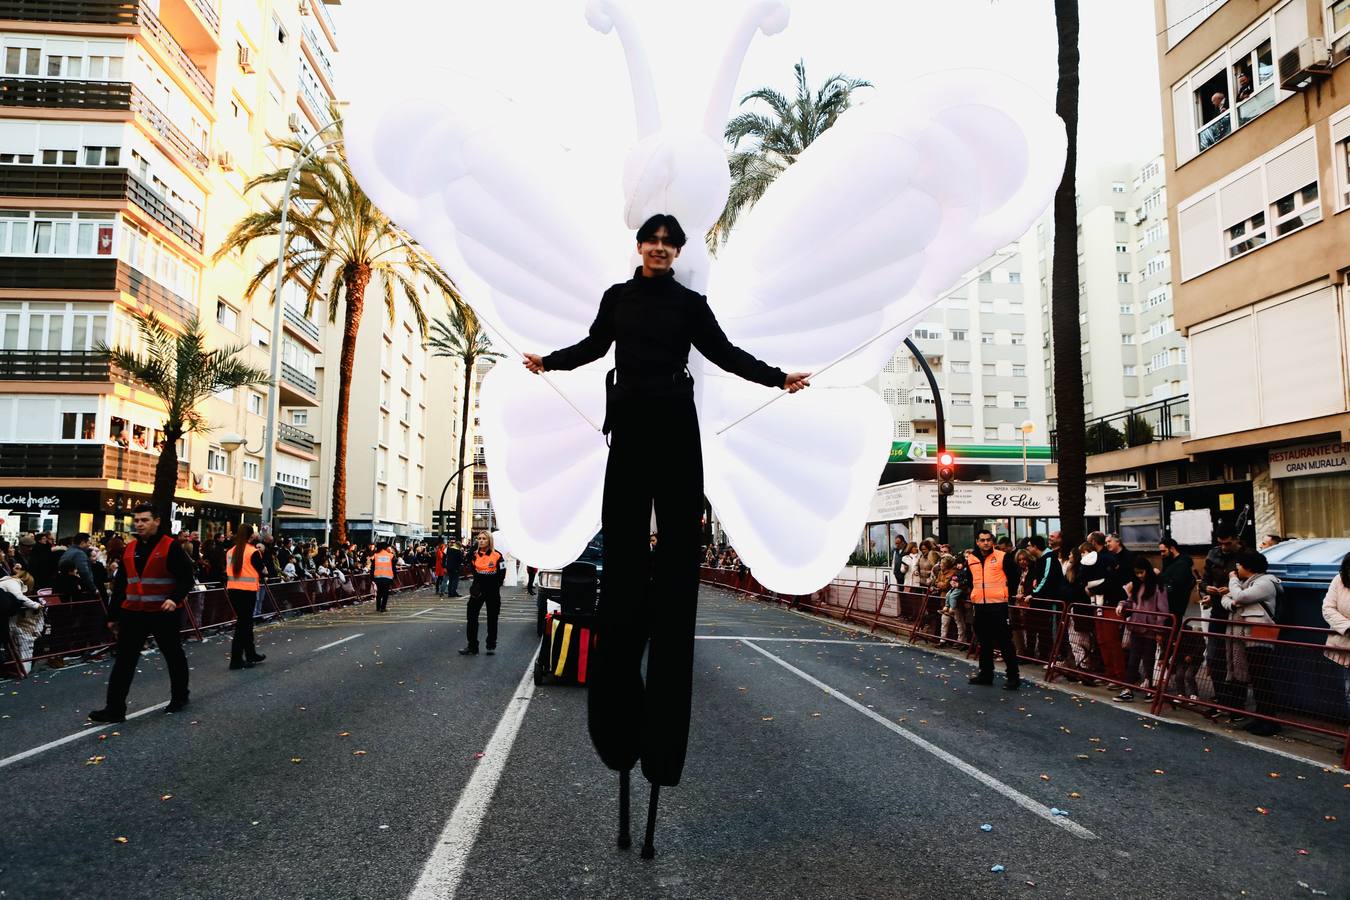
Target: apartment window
(962,432)
(990,401)
(1017,338)
(23,61)
(79,426)
(278,30)
(1014,308)
(986,277)
(1157,361)
(1019,402)
(1156,264)
(60,158)
(1246,235)
(1340,135)
(928,332)
(1014,278)
(986,306)
(46,232)
(1117,187)
(960,367)
(300,418)
(255,403)
(78,327)
(1129,370)
(1120,215)
(25,159)
(960,399)
(987,369)
(1126,310)
(991,432)
(1127,339)
(986,337)
(226,315)
(1295,210)
(1156,298)
(217,460)
(102,156)
(1123,277)
(1019,370)
(1122,248)
(251,469)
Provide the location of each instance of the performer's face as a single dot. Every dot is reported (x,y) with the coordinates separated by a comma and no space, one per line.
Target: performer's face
(658,254)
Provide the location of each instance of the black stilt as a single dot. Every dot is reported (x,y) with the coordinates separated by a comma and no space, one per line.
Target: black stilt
(625,840)
(649,851)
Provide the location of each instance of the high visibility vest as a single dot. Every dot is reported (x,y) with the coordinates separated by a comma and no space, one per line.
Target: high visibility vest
(486,563)
(147,591)
(988,581)
(247,579)
(384,564)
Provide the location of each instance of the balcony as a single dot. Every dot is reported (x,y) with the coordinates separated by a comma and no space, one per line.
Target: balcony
(318,56)
(84,274)
(1151,423)
(297,497)
(81,183)
(295,437)
(297,388)
(56,460)
(101,95)
(54,365)
(166,41)
(301,323)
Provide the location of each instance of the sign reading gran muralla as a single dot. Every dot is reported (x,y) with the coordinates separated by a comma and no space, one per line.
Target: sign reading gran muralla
(1310,459)
(29,500)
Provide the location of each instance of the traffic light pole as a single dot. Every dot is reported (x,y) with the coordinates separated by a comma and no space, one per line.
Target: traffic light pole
(941,432)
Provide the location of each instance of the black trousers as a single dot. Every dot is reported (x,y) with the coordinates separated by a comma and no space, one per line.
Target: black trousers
(382,586)
(478,595)
(648,601)
(241,645)
(132,630)
(992,631)
(1261,670)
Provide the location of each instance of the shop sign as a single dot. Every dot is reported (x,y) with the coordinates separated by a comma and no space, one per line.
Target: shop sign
(1310,459)
(904,500)
(29,500)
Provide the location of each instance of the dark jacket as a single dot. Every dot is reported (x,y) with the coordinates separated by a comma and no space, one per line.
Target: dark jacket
(454,560)
(42,564)
(79,557)
(1218,566)
(1049,582)
(1179,581)
(653,322)
(178,563)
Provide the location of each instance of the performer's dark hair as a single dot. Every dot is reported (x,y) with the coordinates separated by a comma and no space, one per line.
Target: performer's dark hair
(674,233)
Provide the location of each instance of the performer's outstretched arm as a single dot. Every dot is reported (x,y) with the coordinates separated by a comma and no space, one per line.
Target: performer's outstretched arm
(590,348)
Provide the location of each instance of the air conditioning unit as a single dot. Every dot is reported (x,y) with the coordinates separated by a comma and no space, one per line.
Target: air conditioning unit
(246,59)
(293,122)
(225,159)
(1304,65)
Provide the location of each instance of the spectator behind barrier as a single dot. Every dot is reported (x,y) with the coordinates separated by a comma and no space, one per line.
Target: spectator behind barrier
(1336,611)
(1252,598)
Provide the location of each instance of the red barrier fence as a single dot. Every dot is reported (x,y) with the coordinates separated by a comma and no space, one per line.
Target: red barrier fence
(79,627)
(1285,668)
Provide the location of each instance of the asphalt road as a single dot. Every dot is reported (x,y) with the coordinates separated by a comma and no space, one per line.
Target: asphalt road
(823,763)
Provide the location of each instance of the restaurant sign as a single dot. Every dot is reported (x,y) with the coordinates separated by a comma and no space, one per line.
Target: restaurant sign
(1310,459)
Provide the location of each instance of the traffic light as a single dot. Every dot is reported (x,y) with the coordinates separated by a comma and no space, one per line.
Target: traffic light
(946,473)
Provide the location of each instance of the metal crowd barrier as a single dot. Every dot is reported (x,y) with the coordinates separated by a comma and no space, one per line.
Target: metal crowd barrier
(1102,646)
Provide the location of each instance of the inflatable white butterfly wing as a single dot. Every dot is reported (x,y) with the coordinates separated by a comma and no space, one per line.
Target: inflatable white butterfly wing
(855,240)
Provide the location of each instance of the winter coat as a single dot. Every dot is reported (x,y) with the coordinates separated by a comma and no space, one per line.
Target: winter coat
(1336,610)
(1148,608)
(1252,602)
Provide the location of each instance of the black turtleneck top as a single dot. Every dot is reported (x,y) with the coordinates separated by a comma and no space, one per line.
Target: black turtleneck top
(653,322)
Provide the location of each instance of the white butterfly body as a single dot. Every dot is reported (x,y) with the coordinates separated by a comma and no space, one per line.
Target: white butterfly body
(855,240)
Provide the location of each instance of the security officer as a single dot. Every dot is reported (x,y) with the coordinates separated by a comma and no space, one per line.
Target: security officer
(382,567)
(243,576)
(992,572)
(489,571)
(155,577)
(655,460)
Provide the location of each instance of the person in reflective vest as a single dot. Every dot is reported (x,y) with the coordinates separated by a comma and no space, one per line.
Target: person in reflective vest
(155,577)
(991,573)
(243,576)
(382,567)
(489,571)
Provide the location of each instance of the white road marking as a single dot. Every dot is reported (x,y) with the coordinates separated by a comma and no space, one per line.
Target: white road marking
(788,640)
(422,613)
(445,867)
(19,757)
(989,781)
(335,643)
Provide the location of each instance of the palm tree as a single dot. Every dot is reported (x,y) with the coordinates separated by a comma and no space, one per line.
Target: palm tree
(182,372)
(1068,374)
(462,338)
(779,138)
(338,243)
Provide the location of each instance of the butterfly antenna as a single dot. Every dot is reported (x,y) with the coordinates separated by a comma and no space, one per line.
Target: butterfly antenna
(607,15)
(767,16)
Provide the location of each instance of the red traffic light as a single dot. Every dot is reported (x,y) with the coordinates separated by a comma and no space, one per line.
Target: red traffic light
(945,459)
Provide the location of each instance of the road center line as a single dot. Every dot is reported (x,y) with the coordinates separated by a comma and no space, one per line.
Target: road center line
(445,867)
(422,613)
(335,643)
(19,757)
(989,781)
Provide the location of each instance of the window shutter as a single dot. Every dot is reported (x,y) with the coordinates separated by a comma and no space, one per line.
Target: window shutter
(1340,130)
(1201,246)
(1241,199)
(1291,170)
(1183,118)
(1291,26)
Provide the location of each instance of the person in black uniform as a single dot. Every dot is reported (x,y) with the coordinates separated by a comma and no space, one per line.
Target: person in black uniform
(655,457)
(489,571)
(162,572)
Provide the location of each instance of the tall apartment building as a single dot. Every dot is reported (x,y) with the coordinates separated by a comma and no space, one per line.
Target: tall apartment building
(1257,134)
(127,132)
(976,339)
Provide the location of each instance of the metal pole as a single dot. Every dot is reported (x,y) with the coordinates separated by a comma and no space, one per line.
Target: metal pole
(440,507)
(1024,457)
(374,491)
(942,431)
(273,394)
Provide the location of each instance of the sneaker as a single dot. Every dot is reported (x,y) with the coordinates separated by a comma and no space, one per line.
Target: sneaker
(1012,684)
(106,715)
(469,651)
(1124,696)
(1236,719)
(257,658)
(1213,714)
(176,705)
(980,679)
(491,651)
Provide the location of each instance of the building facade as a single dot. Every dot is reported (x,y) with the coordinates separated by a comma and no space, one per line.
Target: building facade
(127,133)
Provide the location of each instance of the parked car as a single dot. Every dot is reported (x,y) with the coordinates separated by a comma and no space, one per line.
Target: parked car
(549,581)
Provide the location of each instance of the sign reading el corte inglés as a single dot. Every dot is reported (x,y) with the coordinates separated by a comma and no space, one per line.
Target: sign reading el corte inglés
(906,499)
(1310,459)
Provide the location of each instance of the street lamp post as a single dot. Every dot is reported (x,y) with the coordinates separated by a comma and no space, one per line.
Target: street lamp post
(941,431)
(274,360)
(374,490)
(440,507)
(1027,427)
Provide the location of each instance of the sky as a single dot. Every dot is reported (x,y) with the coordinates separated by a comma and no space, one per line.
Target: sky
(540,61)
